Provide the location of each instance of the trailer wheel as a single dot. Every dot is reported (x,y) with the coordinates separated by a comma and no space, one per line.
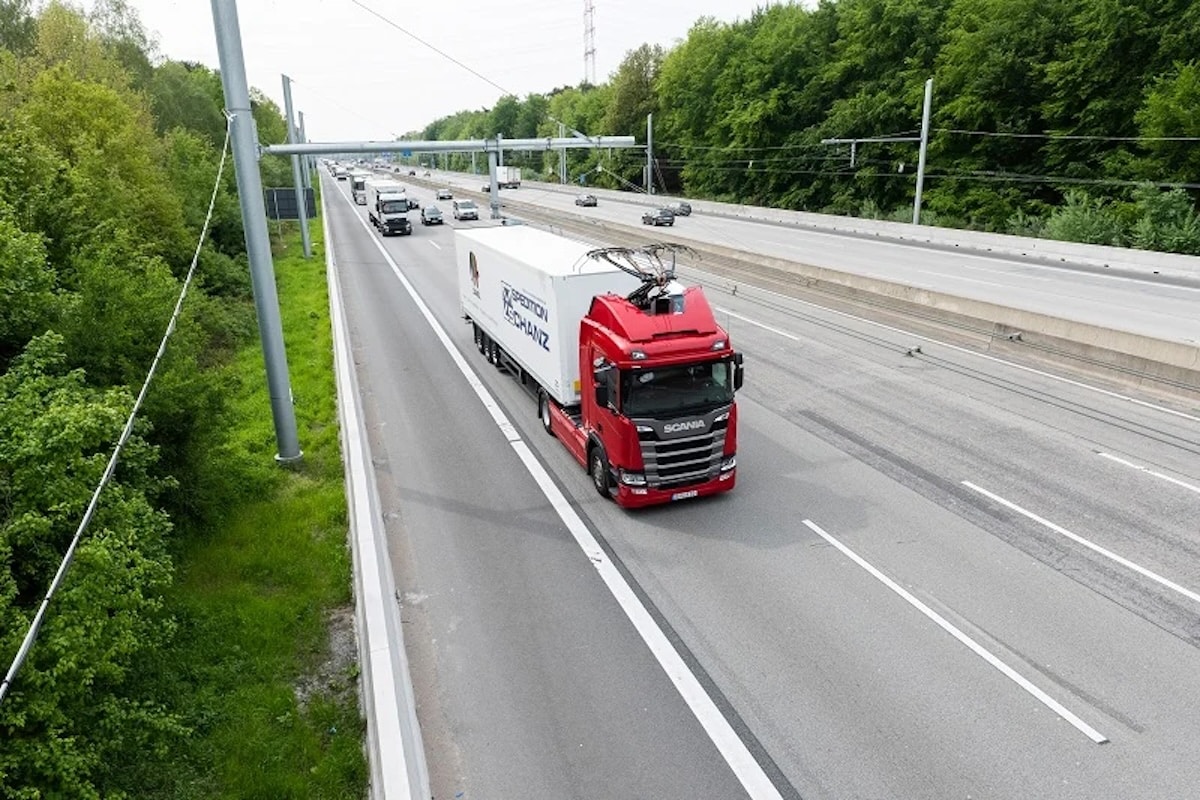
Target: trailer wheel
(544,411)
(497,356)
(478,337)
(599,470)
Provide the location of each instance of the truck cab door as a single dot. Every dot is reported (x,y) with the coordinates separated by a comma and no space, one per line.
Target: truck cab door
(600,398)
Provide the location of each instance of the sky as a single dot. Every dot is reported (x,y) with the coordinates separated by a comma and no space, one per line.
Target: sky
(356,76)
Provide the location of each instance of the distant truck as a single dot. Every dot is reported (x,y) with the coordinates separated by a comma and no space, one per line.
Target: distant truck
(358,186)
(631,370)
(508,177)
(387,207)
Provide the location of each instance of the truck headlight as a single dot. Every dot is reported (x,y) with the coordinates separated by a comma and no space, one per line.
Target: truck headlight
(632,478)
(728,463)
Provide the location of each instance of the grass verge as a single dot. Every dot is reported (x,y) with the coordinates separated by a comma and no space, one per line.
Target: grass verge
(265,665)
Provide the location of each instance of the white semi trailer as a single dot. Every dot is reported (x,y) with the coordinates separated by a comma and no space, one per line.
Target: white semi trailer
(527,290)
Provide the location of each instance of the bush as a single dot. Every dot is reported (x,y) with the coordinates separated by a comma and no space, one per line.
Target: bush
(1084,219)
(1166,221)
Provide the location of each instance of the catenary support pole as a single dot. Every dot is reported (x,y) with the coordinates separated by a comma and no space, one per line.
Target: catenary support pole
(254,221)
(310,165)
(297,169)
(494,194)
(921,158)
(562,156)
(650,153)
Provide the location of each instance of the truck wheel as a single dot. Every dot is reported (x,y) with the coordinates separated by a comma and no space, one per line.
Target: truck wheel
(478,337)
(544,411)
(497,356)
(599,470)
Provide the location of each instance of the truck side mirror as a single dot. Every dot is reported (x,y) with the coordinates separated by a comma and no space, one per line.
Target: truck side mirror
(739,372)
(600,378)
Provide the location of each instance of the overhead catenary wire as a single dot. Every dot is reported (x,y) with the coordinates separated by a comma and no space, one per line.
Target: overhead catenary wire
(451,58)
(60,575)
(766,148)
(1067,136)
(424,43)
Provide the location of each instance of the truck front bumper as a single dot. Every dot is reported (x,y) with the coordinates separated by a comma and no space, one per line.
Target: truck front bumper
(641,496)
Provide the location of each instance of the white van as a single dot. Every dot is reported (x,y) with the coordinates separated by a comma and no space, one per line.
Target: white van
(465,209)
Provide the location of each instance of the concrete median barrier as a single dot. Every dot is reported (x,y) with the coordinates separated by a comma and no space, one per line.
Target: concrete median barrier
(1165,368)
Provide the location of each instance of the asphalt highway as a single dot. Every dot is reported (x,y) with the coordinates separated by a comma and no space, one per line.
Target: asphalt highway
(940,575)
(1154,308)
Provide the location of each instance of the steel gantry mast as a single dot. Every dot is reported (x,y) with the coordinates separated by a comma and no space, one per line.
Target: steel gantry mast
(589,42)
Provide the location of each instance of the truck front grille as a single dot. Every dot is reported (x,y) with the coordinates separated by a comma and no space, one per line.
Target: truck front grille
(683,461)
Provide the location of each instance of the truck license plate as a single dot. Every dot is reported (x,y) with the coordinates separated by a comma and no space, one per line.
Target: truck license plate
(684,495)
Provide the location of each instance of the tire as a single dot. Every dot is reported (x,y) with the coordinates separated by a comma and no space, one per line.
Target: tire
(478,337)
(497,356)
(544,411)
(598,467)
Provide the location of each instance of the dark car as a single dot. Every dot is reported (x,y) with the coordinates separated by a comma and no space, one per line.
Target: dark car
(431,215)
(659,216)
(681,209)
(445,194)
(412,172)
(586,200)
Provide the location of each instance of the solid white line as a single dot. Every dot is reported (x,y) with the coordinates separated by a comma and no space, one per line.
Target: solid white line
(758,324)
(756,783)
(970,643)
(435,244)
(1154,576)
(716,280)
(1149,471)
(395,752)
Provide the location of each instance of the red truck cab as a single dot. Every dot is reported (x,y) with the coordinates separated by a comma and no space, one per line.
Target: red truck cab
(657,420)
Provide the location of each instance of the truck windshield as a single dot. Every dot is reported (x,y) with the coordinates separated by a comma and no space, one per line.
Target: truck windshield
(394,207)
(671,390)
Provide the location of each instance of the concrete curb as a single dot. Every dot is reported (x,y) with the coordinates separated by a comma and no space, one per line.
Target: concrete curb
(395,752)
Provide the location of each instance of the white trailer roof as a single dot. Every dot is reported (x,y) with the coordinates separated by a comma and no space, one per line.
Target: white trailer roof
(385,185)
(546,252)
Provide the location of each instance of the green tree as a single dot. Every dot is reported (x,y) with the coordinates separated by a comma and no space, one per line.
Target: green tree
(18,27)
(77,711)
(991,78)
(505,117)
(27,299)
(191,168)
(1085,219)
(272,129)
(188,96)
(1172,109)
(120,30)
(115,165)
(66,40)
(1167,221)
